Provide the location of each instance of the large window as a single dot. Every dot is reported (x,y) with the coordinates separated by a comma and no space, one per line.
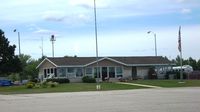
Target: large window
(45,73)
(70,70)
(55,72)
(79,72)
(48,71)
(61,72)
(88,71)
(95,72)
(51,70)
(119,71)
(111,72)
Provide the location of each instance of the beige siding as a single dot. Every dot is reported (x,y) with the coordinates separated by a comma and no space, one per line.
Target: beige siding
(45,64)
(127,72)
(142,72)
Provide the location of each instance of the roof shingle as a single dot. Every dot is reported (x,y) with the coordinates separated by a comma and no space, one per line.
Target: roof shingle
(67,61)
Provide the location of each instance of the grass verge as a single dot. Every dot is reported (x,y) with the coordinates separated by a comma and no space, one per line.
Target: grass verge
(71,87)
(169,83)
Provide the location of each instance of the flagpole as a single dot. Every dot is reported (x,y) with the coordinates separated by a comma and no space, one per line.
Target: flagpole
(98,86)
(180,50)
(181,63)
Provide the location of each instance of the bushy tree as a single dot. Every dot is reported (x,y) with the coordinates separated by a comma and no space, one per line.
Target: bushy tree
(198,64)
(9,62)
(193,63)
(29,67)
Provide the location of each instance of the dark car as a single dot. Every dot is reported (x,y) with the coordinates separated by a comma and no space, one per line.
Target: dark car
(5,83)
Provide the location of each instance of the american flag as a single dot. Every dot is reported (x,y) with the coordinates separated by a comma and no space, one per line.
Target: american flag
(179,39)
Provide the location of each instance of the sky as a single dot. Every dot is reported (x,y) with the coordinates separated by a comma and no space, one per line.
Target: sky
(122,27)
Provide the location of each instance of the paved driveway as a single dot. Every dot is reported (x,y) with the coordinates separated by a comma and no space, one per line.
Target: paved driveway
(141,100)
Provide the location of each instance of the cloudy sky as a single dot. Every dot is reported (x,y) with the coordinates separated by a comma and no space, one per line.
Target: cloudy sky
(122,26)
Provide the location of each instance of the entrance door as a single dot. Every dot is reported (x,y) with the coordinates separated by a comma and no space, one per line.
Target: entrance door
(134,73)
(104,73)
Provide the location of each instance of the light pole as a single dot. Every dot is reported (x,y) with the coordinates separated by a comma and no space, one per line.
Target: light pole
(98,86)
(15,30)
(52,40)
(41,47)
(154,40)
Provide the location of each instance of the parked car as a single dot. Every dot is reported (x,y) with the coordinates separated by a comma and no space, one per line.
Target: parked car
(5,83)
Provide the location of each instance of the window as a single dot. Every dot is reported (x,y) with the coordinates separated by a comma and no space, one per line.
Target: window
(55,72)
(61,72)
(79,72)
(112,72)
(88,71)
(45,73)
(119,71)
(48,71)
(70,70)
(95,72)
(51,70)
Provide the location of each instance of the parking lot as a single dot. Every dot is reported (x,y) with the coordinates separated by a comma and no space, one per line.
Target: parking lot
(141,100)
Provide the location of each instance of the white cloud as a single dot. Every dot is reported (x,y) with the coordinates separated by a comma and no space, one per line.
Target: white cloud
(70,19)
(185,11)
(54,16)
(45,32)
(89,3)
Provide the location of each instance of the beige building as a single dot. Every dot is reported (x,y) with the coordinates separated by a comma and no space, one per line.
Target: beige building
(109,68)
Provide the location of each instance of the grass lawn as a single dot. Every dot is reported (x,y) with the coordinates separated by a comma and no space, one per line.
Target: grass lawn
(169,83)
(71,87)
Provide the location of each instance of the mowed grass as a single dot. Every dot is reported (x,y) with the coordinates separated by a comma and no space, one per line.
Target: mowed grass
(71,87)
(169,83)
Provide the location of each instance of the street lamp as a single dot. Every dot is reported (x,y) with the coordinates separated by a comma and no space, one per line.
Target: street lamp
(15,30)
(155,41)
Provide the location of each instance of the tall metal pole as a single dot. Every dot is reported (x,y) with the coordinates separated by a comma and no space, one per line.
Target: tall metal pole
(180,50)
(154,41)
(52,40)
(97,55)
(18,34)
(19,43)
(42,48)
(155,44)
(181,62)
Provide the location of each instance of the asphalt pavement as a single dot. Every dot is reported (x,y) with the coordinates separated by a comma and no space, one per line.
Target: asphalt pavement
(140,100)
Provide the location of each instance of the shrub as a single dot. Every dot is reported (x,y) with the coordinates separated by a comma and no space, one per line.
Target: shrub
(87,79)
(44,84)
(61,80)
(34,80)
(38,85)
(52,84)
(30,85)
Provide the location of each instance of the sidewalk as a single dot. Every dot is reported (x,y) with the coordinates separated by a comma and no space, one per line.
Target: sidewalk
(142,85)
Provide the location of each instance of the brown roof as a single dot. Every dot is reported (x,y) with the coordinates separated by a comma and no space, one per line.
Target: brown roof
(67,61)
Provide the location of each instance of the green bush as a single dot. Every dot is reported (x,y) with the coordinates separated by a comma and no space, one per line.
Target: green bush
(87,79)
(52,84)
(34,80)
(60,80)
(44,84)
(30,85)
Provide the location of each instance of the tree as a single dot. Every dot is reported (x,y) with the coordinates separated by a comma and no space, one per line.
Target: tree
(193,63)
(9,63)
(198,64)
(29,67)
